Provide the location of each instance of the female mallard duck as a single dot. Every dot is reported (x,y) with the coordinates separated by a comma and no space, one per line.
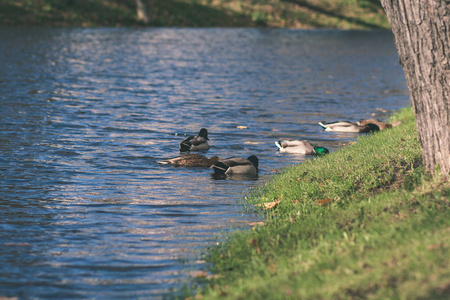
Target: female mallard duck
(346,126)
(236,165)
(382,125)
(300,147)
(195,142)
(191,160)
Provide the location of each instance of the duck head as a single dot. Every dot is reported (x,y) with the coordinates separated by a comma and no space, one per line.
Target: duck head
(203,133)
(254,160)
(373,127)
(320,150)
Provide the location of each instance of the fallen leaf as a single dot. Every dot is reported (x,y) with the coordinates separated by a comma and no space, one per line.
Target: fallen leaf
(325,201)
(269,205)
(272,268)
(434,246)
(255,223)
(198,274)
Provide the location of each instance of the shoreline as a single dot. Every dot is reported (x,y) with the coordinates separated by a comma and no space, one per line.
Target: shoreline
(349,223)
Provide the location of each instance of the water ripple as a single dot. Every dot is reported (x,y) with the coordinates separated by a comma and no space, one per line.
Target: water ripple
(88,213)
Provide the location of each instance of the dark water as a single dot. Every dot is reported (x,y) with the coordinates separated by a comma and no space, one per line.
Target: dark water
(85,211)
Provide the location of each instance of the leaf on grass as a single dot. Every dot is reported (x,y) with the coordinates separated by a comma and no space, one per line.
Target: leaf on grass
(435,246)
(325,201)
(198,274)
(272,268)
(269,205)
(255,223)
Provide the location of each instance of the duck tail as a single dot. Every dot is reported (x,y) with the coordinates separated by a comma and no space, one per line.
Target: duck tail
(162,162)
(184,147)
(323,125)
(278,144)
(219,168)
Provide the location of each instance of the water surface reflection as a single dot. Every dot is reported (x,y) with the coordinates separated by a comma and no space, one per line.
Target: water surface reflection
(86,212)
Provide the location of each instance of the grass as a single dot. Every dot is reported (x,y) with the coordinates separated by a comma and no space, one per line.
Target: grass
(363,222)
(344,14)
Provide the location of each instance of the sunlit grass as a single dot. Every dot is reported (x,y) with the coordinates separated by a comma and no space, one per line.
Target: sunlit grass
(362,222)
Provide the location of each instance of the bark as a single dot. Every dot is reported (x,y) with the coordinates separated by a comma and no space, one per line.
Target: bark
(142,12)
(421,30)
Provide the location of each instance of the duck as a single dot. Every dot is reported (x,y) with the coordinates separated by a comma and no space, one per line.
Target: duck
(300,147)
(195,142)
(191,160)
(346,126)
(236,165)
(382,125)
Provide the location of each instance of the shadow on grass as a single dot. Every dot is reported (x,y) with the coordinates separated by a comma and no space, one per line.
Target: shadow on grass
(372,5)
(115,13)
(180,13)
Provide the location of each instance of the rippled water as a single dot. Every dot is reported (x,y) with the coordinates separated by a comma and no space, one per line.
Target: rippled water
(85,210)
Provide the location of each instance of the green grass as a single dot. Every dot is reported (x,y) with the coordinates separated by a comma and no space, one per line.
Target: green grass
(344,14)
(383,231)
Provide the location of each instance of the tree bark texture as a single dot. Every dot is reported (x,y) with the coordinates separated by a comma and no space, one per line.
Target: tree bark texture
(421,30)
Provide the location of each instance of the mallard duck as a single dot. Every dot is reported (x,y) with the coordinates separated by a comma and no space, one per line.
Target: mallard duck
(382,125)
(195,142)
(236,165)
(190,160)
(346,126)
(300,147)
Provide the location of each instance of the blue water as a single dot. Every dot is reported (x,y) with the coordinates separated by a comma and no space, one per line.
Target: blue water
(85,210)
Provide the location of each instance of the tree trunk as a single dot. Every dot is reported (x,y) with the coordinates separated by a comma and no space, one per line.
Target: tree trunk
(141,12)
(422,34)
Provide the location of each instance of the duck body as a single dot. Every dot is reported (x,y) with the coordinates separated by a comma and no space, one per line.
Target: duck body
(236,165)
(195,142)
(191,160)
(382,125)
(300,147)
(347,126)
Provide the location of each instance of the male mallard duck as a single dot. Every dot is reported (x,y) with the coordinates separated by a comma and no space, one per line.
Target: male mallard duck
(190,160)
(195,142)
(300,147)
(382,125)
(346,126)
(236,165)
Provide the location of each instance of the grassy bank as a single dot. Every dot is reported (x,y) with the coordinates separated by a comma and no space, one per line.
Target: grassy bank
(363,222)
(344,14)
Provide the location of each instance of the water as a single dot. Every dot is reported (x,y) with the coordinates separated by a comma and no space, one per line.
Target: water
(85,210)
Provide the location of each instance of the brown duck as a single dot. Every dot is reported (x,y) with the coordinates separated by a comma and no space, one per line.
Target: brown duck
(191,160)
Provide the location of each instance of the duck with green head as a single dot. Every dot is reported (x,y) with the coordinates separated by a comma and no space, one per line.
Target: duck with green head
(382,125)
(300,147)
(346,126)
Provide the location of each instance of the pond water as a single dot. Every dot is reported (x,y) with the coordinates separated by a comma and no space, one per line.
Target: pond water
(85,210)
